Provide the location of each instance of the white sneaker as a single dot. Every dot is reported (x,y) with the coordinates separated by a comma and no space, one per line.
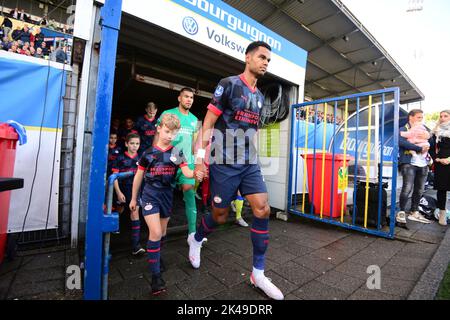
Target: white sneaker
(401,217)
(194,251)
(418,217)
(241,222)
(191,236)
(266,285)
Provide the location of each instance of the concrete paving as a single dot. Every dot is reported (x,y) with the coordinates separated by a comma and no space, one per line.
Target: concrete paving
(306,259)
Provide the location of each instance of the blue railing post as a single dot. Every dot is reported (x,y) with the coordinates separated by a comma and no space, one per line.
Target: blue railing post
(111,14)
(106,240)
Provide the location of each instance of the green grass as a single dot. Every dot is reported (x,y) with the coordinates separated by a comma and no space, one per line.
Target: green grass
(444,289)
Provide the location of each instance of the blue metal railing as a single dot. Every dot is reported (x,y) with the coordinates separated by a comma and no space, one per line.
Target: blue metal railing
(97,222)
(374,161)
(106,238)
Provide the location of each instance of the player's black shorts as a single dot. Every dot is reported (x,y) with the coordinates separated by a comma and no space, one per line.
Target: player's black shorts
(225,180)
(155,200)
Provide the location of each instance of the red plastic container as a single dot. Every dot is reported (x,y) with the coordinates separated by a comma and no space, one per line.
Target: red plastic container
(337,174)
(8,141)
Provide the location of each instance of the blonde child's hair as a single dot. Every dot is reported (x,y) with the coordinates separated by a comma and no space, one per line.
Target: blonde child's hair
(151,105)
(171,121)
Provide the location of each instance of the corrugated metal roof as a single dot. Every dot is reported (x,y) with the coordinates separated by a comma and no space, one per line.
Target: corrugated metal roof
(335,66)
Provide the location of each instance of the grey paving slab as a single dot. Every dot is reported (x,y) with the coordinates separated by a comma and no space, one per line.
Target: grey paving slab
(316,290)
(295,273)
(427,236)
(335,256)
(27,276)
(5,282)
(366,294)
(291,296)
(172,293)
(200,286)
(35,288)
(281,282)
(396,287)
(370,258)
(172,276)
(297,249)
(402,272)
(314,263)
(10,266)
(313,243)
(44,259)
(205,265)
(281,241)
(408,261)
(353,269)
(281,256)
(129,269)
(424,250)
(340,281)
(114,276)
(230,276)
(224,258)
(242,291)
(136,288)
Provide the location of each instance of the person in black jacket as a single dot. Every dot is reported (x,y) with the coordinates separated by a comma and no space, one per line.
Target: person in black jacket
(440,152)
(15,35)
(7,26)
(38,38)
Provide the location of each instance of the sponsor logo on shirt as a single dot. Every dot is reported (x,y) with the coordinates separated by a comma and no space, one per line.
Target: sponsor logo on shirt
(219,91)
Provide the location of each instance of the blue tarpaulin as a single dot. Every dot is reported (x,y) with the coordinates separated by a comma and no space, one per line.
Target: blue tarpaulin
(318,131)
(31,93)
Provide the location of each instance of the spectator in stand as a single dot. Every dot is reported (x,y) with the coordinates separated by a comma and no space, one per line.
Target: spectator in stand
(23,16)
(38,37)
(14,13)
(61,55)
(7,27)
(44,48)
(338,120)
(15,35)
(51,24)
(25,35)
(32,51)
(13,48)
(43,21)
(39,53)
(67,29)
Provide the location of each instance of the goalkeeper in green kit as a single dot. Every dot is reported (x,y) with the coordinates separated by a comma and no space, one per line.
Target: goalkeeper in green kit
(184,141)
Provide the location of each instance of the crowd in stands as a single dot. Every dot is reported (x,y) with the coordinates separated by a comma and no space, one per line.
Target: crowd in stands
(318,117)
(19,14)
(28,39)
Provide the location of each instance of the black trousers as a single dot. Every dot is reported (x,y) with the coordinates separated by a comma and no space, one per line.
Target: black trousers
(441,199)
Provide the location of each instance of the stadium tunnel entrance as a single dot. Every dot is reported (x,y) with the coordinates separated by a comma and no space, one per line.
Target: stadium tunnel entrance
(153,64)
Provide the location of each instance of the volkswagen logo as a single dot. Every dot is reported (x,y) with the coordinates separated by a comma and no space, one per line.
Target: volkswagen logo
(190,25)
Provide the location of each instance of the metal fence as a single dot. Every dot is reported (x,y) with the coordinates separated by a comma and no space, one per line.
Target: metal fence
(343,161)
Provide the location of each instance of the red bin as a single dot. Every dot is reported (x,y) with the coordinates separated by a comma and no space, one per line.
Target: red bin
(8,141)
(335,177)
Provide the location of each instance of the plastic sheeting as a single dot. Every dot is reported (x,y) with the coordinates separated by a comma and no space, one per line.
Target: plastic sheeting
(32,91)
